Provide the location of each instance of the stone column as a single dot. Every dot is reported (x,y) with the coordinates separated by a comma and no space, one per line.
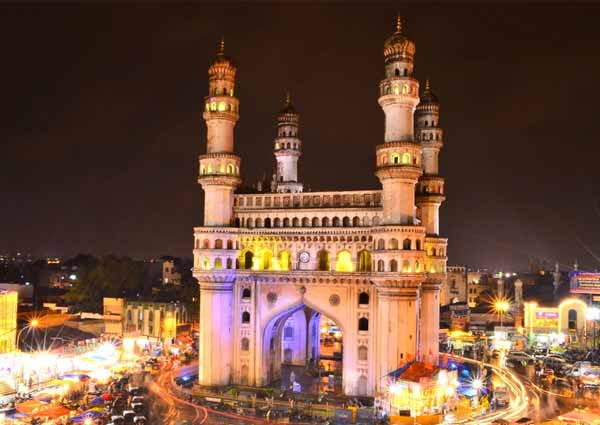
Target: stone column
(429,326)
(216,331)
(396,326)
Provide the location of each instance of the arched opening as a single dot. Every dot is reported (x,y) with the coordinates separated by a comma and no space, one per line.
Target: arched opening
(406,244)
(363,298)
(267,222)
(277,222)
(248,260)
(305,222)
(218,263)
(393,244)
(218,244)
(285,260)
(336,222)
(343,262)
(286,222)
(405,266)
(303,348)
(228,263)
(363,324)
(246,293)
(362,386)
(356,222)
(346,221)
(238,223)
(266,258)
(325,222)
(380,266)
(296,222)
(245,346)
(323,260)
(363,353)
(229,244)
(406,158)
(206,244)
(244,375)
(418,243)
(572,320)
(381,244)
(364,261)
(393,266)
(258,222)
(315,222)
(245,317)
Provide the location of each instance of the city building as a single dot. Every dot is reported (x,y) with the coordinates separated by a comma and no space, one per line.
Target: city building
(9,301)
(170,274)
(159,321)
(454,288)
(372,261)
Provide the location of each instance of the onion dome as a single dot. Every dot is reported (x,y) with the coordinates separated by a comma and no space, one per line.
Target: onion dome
(428,98)
(221,65)
(399,47)
(287,107)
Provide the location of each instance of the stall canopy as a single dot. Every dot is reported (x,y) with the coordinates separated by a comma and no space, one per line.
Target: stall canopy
(90,414)
(52,412)
(30,406)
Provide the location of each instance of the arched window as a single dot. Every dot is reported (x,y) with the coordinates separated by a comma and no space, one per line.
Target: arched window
(202,169)
(295,222)
(363,298)
(433,252)
(418,241)
(218,244)
(380,266)
(393,243)
(213,106)
(238,223)
(218,264)
(396,89)
(376,221)
(406,244)
(267,255)
(397,72)
(393,266)
(206,244)
(285,260)
(245,317)
(363,324)
(197,244)
(323,259)
(405,86)
(229,244)
(286,222)
(346,221)
(248,259)
(315,222)
(277,222)
(356,222)
(343,262)
(205,263)
(267,222)
(245,344)
(395,158)
(230,169)
(222,107)
(305,222)
(228,263)
(406,158)
(417,266)
(336,222)
(325,221)
(406,266)
(246,293)
(572,320)
(258,222)
(380,244)
(364,261)
(363,353)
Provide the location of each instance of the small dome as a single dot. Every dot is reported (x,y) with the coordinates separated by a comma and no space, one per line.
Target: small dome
(287,107)
(428,98)
(398,46)
(221,61)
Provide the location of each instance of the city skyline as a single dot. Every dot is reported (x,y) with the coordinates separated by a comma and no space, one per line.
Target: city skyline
(102,147)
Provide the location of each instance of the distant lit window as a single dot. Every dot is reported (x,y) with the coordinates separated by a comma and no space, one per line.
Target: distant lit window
(395,158)
(404,88)
(230,169)
(222,106)
(396,90)
(213,106)
(222,168)
(406,158)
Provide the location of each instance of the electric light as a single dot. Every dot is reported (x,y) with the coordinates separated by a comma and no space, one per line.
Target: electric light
(477,384)
(34,323)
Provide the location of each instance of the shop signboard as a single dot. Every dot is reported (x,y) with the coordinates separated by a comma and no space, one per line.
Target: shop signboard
(584,282)
(342,417)
(459,317)
(364,417)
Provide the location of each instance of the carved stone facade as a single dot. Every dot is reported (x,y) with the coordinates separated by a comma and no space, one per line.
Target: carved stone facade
(270,265)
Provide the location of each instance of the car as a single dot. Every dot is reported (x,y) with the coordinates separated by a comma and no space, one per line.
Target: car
(524,421)
(137,399)
(519,357)
(556,363)
(548,376)
(501,396)
(117,419)
(137,407)
(139,420)
(128,415)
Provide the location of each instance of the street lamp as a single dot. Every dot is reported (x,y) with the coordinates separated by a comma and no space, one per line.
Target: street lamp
(501,306)
(33,323)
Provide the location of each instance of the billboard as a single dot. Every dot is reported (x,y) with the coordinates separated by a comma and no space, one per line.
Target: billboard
(584,282)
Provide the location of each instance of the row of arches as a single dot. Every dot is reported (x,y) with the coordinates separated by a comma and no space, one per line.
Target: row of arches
(278,222)
(392,244)
(220,107)
(224,91)
(228,169)
(363,297)
(287,145)
(428,136)
(217,244)
(393,266)
(396,158)
(363,322)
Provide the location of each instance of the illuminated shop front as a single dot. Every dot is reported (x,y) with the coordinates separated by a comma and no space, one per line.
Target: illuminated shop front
(418,389)
(565,323)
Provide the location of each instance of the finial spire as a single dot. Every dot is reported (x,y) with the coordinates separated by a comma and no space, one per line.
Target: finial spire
(398,24)
(222,46)
(427,86)
(288,98)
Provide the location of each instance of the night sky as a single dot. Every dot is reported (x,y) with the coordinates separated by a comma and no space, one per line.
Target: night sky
(102,119)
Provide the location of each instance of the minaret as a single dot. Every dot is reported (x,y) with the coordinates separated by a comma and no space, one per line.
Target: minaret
(220,167)
(556,276)
(287,148)
(398,159)
(219,176)
(430,190)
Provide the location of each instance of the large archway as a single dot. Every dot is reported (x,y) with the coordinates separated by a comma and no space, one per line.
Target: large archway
(303,350)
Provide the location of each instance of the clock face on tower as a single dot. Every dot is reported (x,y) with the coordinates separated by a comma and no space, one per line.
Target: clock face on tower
(304,257)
